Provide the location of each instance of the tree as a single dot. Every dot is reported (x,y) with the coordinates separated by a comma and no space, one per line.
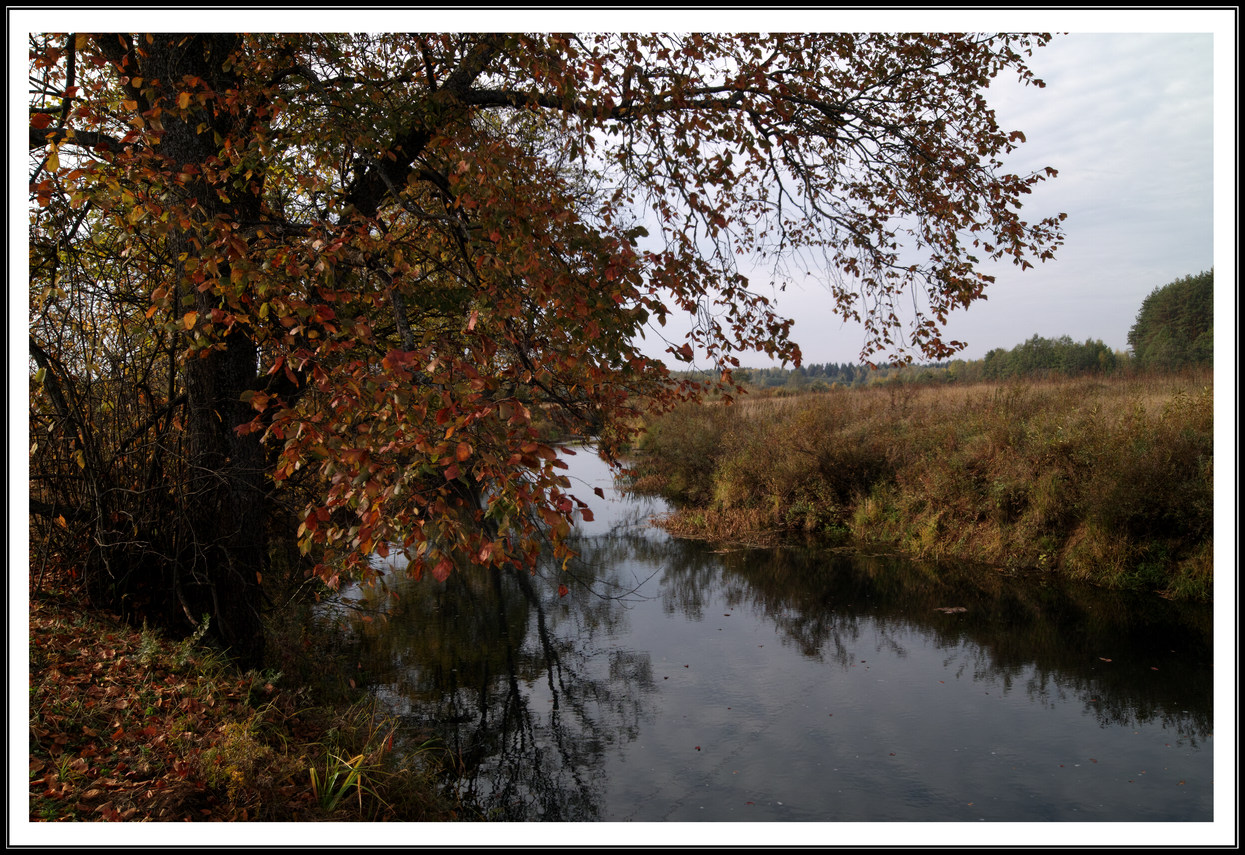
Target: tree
(343,273)
(1044,357)
(1175,327)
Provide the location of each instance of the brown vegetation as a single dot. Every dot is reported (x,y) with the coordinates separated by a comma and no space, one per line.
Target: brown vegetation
(1107,480)
(127,725)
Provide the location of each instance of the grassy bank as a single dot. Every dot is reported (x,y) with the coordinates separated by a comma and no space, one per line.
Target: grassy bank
(126,725)
(1109,481)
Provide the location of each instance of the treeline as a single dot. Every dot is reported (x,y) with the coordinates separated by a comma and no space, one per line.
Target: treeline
(822,375)
(1045,357)
(1174,330)
(1037,358)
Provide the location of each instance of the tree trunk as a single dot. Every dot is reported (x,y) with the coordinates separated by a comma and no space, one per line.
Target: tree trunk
(220,571)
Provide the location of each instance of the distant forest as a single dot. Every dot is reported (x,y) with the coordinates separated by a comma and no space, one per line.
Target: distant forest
(1174,330)
(1036,358)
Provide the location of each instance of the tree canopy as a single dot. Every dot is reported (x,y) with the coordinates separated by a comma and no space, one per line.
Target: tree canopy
(1044,357)
(1175,326)
(329,280)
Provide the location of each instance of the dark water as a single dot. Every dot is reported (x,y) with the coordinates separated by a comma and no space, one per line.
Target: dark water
(675,682)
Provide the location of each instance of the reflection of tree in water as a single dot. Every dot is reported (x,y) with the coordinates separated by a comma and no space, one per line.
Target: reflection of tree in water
(524,687)
(1130,659)
(505,671)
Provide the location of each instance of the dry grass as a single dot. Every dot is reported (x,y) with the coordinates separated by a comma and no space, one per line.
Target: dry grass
(1108,480)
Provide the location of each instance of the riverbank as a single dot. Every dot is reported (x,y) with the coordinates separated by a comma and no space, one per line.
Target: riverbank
(127,725)
(1107,480)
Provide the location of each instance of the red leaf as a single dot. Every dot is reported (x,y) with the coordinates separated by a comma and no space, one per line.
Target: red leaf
(442,571)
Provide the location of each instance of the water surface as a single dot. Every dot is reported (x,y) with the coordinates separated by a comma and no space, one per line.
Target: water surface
(678,682)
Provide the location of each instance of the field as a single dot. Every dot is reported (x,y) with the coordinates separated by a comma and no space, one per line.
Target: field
(1103,479)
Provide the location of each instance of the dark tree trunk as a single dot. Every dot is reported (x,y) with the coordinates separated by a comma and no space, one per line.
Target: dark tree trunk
(219,572)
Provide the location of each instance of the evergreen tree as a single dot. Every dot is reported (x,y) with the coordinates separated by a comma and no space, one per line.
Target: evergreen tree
(1175,327)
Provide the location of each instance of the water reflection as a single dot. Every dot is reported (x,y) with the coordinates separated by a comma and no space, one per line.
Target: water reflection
(1132,659)
(505,671)
(675,681)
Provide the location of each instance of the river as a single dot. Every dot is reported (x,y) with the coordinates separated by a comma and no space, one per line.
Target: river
(657,680)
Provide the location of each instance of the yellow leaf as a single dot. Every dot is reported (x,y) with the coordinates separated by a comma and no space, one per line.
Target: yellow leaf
(54,160)
(188,319)
(183,100)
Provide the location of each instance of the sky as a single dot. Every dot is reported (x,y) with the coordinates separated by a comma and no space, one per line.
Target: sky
(1128,121)
(1138,116)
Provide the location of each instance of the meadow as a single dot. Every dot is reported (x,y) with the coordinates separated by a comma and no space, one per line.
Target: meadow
(1106,479)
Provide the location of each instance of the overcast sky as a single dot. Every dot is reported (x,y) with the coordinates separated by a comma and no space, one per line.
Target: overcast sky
(1128,121)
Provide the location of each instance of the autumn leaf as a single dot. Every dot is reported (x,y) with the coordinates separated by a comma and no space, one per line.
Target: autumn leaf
(440,284)
(441,571)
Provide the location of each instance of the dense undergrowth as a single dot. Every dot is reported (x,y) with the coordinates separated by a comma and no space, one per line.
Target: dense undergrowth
(126,724)
(1105,480)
